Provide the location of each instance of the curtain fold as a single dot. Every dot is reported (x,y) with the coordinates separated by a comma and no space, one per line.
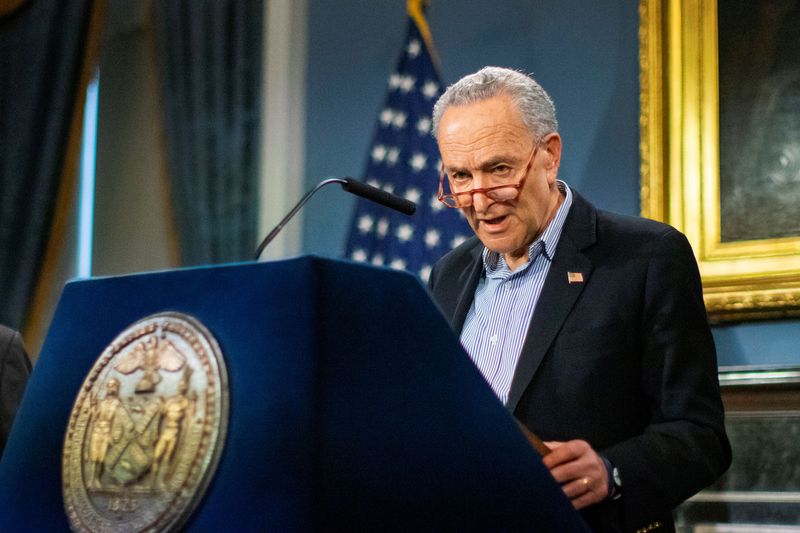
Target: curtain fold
(209,54)
(42,54)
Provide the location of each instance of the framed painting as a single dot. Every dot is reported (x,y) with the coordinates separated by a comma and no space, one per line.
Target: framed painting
(720,145)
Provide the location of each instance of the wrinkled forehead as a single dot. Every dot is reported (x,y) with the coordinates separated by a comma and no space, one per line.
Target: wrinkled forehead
(480,130)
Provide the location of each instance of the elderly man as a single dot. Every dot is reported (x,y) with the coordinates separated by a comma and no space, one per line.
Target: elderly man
(589,326)
(14,370)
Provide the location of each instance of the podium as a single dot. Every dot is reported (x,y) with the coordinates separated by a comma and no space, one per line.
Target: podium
(352,406)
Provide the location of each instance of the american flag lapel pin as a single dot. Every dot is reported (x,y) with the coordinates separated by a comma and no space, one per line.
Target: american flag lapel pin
(574,277)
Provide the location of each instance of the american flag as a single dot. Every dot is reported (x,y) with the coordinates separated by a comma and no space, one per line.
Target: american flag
(404,160)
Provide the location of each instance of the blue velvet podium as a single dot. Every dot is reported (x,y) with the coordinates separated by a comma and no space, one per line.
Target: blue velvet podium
(352,406)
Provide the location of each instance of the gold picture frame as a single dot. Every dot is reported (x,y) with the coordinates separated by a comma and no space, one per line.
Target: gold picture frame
(679,122)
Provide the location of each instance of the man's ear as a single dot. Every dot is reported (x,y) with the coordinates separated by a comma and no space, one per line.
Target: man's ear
(552,146)
(552,150)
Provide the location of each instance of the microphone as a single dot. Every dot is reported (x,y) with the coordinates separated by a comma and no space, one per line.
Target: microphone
(379,196)
(352,186)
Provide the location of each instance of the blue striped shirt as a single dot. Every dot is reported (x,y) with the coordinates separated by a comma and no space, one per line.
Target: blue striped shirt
(497,322)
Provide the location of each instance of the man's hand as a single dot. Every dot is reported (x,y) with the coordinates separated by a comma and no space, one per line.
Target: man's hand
(580,471)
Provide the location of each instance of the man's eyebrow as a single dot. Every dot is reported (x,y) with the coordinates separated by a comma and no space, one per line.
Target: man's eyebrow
(455,168)
(496,160)
(485,165)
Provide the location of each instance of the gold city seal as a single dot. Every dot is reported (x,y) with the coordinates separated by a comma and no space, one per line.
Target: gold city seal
(147,428)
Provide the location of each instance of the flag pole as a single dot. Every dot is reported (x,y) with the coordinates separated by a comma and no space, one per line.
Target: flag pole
(416,10)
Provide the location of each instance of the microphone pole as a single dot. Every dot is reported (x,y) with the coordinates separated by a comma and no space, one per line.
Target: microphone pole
(352,186)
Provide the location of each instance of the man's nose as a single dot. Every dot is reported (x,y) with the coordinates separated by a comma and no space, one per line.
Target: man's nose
(481,202)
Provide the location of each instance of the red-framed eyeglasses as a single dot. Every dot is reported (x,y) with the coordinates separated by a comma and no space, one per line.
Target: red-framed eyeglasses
(499,193)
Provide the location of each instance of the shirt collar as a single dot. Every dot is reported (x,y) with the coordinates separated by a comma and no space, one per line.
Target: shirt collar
(494,263)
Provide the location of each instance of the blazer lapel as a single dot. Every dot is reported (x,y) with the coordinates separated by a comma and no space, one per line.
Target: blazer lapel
(468,280)
(559,294)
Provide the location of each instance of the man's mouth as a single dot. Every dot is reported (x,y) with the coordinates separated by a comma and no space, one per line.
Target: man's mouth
(493,223)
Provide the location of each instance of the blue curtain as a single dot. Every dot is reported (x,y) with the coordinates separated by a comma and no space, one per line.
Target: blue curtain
(41,59)
(210,60)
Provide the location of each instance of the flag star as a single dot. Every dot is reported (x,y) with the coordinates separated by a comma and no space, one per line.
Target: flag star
(432,238)
(424,126)
(377,260)
(413,48)
(425,272)
(365,223)
(407,83)
(393,155)
(417,161)
(383,228)
(387,116)
(430,89)
(394,80)
(398,264)
(375,183)
(378,153)
(359,255)
(399,120)
(457,240)
(405,232)
(389,187)
(413,194)
(435,204)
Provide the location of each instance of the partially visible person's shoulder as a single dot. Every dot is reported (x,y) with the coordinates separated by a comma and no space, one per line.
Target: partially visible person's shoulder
(11,345)
(6,335)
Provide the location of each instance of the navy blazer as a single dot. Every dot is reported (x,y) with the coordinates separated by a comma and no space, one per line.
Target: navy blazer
(623,359)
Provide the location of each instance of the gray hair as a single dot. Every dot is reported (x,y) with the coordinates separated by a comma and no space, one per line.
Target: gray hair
(532,101)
